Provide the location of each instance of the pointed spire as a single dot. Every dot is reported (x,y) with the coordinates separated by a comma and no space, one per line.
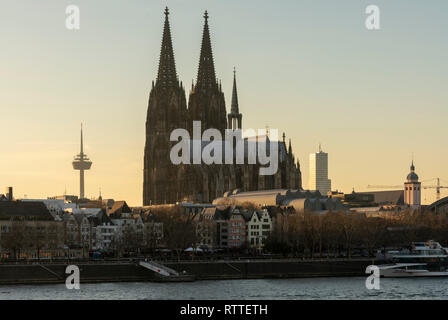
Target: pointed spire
(235,117)
(290,147)
(167,76)
(82,144)
(206,72)
(234,109)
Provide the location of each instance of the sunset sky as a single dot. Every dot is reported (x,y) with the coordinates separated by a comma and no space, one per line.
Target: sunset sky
(307,67)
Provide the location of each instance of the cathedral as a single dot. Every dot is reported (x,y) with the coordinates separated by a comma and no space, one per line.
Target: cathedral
(165,182)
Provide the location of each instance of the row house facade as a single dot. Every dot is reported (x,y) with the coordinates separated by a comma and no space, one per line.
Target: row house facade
(258,228)
(28,229)
(78,231)
(231,227)
(127,229)
(105,234)
(236,229)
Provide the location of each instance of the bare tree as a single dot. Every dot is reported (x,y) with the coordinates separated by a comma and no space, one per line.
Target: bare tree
(14,240)
(37,236)
(179,230)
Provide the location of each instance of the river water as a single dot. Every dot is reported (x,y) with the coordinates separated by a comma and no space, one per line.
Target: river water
(285,289)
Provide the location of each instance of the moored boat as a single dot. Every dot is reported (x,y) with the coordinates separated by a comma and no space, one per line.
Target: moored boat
(422,259)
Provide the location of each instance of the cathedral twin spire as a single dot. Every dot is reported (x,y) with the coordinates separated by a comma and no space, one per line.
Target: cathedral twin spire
(206,72)
(206,83)
(167,76)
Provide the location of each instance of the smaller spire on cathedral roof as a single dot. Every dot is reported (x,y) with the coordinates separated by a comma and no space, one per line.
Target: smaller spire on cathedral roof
(234,108)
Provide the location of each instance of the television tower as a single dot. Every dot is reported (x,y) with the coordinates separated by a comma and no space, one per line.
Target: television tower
(81,163)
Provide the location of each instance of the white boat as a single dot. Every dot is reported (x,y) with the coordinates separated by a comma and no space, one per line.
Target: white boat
(422,259)
(406,270)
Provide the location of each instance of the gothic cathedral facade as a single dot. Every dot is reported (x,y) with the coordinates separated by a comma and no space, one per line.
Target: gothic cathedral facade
(164,182)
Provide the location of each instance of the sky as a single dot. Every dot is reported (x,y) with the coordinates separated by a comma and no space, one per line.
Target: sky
(309,68)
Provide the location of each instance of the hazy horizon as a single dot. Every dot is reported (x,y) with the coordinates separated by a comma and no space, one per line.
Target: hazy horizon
(308,68)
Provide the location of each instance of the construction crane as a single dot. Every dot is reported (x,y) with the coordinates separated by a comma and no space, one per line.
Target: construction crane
(437,187)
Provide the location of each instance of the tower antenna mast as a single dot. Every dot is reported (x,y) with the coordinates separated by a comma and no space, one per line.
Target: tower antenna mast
(81,163)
